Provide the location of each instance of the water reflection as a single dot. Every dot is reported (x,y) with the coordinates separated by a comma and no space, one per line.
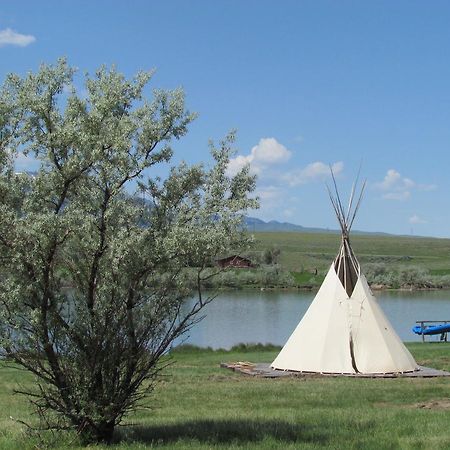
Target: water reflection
(270,317)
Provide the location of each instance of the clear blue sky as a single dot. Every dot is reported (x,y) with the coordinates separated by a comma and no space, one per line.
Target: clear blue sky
(305,83)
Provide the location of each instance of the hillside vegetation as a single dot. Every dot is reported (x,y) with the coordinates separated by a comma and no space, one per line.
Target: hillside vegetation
(302,260)
(309,250)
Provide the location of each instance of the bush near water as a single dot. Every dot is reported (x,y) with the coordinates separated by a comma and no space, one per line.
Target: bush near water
(301,260)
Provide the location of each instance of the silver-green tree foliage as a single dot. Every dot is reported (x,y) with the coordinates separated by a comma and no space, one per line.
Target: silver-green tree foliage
(131,264)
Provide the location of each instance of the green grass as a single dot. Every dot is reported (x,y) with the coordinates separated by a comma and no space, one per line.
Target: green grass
(201,406)
(440,272)
(307,278)
(307,251)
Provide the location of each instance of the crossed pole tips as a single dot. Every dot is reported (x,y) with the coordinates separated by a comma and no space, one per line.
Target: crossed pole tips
(346,264)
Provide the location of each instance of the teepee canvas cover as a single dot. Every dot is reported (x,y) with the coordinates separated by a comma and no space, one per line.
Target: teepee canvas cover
(344,329)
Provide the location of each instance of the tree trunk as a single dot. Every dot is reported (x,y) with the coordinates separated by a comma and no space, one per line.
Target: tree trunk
(101,433)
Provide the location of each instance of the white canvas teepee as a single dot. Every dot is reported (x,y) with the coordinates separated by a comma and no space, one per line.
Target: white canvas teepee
(344,329)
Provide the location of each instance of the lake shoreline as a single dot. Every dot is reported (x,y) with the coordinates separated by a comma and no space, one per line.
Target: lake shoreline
(270,315)
(375,288)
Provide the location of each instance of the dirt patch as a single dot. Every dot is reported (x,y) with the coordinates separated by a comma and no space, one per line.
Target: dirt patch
(433,404)
(226,378)
(440,404)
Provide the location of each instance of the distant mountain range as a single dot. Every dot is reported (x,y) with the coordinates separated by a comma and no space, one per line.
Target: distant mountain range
(254,224)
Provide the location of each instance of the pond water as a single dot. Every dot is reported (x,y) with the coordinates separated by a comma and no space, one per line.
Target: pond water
(270,317)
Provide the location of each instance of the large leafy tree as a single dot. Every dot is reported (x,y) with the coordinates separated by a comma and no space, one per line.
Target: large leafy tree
(97,284)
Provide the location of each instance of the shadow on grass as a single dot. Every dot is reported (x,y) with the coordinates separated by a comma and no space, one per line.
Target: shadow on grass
(223,431)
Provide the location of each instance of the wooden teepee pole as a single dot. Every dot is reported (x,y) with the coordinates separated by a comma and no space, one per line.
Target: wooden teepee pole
(346,265)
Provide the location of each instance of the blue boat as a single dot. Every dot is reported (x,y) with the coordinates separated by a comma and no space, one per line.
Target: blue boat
(431,329)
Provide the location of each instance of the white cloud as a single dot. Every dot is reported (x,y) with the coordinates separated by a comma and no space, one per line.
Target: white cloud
(269,193)
(391,179)
(267,153)
(401,196)
(415,219)
(277,176)
(10,37)
(396,187)
(270,151)
(315,171)
(236,164)
(271,198)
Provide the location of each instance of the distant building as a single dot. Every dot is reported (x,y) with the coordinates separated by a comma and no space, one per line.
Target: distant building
(234,261)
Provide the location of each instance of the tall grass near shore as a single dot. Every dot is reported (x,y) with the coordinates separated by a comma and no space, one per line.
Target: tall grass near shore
(305,251)
(388,261)
(198,405)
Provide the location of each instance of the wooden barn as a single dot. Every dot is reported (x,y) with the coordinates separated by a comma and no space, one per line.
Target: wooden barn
(235,261)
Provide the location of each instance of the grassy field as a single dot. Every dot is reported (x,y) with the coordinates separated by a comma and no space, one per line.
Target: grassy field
(306,251)
(389,261)
(201,406)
